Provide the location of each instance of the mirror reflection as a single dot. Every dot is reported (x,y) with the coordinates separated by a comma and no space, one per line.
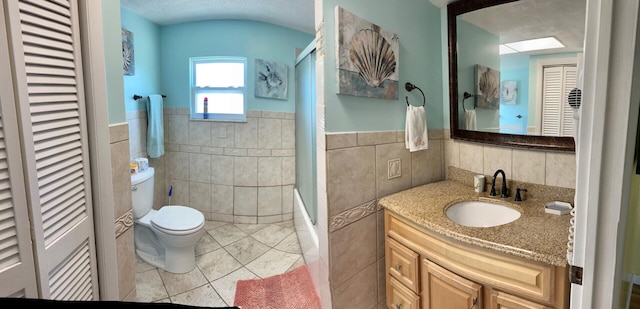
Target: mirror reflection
(509,80)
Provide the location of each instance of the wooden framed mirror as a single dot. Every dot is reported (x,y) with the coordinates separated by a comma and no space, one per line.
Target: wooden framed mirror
(478,30)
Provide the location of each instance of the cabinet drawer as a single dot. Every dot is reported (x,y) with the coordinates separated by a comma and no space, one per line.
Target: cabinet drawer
(399,296)
(402,264)
(532,280)
(501,300)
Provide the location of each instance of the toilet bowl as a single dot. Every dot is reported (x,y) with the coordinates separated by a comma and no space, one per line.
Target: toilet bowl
(164,238)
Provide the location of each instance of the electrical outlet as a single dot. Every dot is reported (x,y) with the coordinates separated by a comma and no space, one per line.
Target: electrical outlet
(394,168)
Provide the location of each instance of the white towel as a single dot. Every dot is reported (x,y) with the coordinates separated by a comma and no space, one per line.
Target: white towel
(470,119)
(415,132)
(155,127)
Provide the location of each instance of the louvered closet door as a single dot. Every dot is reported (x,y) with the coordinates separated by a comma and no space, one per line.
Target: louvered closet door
(45,42)
(557,114)
(17,269)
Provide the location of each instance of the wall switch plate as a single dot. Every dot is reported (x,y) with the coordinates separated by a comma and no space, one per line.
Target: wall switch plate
(394,168)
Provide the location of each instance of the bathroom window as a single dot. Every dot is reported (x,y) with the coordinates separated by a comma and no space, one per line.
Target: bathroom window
(222,81)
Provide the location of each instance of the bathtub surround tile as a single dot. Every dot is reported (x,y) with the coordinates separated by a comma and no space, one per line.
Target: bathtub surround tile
(245,171)
(269,133)
(269,201)
(222,199)
(245,201)
(200,133)
(177,129)
(217,264)
(200,196)
(254,113)
(178,164)
(270,171)
(288,170)
(246,134)
(222,135)
(288,133)
(199,168)
(271,114)
(259,152)
(180,283)
(222,170)
(237,152)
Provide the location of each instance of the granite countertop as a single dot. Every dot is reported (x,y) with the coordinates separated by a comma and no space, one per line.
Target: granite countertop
(536,235)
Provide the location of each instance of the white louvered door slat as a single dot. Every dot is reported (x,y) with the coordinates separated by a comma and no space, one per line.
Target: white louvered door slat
(51,117)
(557,114)
(570,80)
(551,101)
(17,266)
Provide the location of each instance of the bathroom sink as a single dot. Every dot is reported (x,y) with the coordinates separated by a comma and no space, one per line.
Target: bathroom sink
(481,214)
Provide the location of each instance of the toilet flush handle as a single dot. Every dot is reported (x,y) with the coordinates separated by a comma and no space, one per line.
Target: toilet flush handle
(134,188)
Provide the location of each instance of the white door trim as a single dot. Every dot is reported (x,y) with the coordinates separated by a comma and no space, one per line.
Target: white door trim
(92,40)
(605,151)
(540,64)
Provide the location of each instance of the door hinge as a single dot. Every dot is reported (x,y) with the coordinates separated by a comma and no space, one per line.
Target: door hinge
(575,274)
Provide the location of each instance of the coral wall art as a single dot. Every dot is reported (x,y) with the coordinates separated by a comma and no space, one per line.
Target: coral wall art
(271,79)
(487,87)
(128,59)
(366,58)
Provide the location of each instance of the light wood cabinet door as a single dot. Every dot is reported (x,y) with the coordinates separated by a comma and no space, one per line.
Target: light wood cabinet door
(501,300)
(442,289)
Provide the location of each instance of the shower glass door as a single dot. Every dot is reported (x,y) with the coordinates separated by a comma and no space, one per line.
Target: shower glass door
(306,180)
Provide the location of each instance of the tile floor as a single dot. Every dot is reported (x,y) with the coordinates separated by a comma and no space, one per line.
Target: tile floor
(226,253)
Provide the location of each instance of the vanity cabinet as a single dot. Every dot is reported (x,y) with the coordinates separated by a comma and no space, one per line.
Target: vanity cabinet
(428,271)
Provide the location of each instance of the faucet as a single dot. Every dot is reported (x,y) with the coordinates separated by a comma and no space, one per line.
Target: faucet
(504,192)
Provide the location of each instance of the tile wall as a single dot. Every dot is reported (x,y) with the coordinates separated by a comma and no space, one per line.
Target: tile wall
(121,179)
(358,167)
(556,169)
(232,172)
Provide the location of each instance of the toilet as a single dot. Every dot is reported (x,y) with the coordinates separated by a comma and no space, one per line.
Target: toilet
(164,238)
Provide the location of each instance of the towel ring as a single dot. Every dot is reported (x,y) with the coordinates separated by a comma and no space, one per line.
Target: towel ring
(409,87)
(466,96)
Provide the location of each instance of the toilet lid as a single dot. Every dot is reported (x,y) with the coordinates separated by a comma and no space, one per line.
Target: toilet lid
(178,218)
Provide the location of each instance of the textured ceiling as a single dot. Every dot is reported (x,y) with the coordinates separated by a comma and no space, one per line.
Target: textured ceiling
(530,19)
(295,14)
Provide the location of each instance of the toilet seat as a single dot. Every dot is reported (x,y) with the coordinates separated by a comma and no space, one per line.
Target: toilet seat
(177,220)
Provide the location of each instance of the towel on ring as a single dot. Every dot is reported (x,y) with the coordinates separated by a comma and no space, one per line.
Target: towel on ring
(155,128)
(470,120)
(415,132)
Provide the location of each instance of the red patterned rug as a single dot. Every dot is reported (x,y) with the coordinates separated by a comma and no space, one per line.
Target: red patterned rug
(291,290)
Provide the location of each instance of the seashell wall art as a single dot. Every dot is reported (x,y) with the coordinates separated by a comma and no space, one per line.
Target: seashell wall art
(367,58)
(487,87)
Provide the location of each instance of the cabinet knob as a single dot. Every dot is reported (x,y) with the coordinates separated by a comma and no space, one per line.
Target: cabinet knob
(398,306)
(397,267)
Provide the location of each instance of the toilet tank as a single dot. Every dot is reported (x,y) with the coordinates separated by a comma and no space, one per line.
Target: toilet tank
(142,192)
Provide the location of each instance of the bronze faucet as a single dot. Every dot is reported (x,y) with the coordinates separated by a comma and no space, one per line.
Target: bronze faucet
(504,192)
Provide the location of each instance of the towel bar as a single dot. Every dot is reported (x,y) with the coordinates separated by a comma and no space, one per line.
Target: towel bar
(137,97)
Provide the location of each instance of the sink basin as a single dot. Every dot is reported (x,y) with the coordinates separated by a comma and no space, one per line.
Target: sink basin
(481,214)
